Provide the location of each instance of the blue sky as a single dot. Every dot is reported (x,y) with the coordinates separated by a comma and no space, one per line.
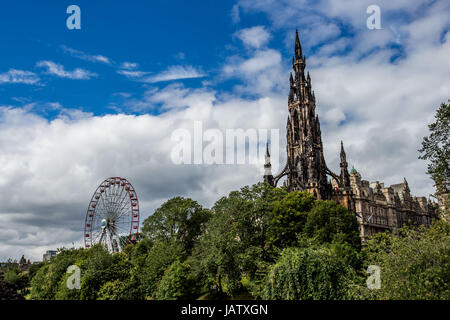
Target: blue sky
(195,36)
(78,106)
(155,35)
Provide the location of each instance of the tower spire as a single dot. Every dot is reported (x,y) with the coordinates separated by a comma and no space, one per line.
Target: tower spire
(305,168)
(345,177)
(268,177)
(298,47)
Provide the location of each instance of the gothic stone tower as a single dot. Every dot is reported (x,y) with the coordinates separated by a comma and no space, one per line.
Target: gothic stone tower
(377,208)
(306,164)
(306,169)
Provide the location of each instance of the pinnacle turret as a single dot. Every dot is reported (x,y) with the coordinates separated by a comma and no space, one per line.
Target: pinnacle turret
(298,47)
(345,177)
(268,177)
(343,155)
(292,88)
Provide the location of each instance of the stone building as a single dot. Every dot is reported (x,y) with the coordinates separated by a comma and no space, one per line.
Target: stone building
(377,207)
(24,264)
(442,195)
(50,254)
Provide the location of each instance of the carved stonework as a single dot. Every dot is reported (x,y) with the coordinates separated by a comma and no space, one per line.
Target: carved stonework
(377,208)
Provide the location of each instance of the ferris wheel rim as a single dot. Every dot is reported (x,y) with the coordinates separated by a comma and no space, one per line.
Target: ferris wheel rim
(114,211)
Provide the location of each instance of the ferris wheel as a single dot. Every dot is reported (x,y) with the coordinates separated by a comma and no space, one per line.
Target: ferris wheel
(112,217)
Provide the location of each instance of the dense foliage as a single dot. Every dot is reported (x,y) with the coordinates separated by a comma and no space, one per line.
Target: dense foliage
(9,291)
(180,219)
(259,242)
(307,273)
(414,264)
(436,148)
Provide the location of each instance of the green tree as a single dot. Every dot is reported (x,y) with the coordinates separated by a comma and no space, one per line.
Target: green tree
(47,280)
(139,252)
(330,222)
(436,148)
(414,265)
(182,219)
(39,286)
(97,266)
(288,218)
(177,282)
(113,290)
(34,268)
(11,275)
(313,273)
(217,254)
(62,292)
(94,268)
(14,275)
(158,259)
(234,242)
(9,291)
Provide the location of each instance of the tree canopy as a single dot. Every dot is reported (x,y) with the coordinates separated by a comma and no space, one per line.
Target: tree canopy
(436,148)
(179,219)
(257,242)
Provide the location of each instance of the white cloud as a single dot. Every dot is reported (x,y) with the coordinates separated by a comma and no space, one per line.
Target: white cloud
(321,22)
(58,70)
(19,76)
(69,114)
(262,60)
(262,73)
(235,14)
(129,65)
(50,168)
(132,73)
(81,55)
(175,73)
(334,116)
(254,37)
(129,70)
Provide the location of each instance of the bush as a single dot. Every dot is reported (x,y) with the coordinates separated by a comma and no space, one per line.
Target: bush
(48,279)
(307,273)
(9,291)
(288,218)
(330,222)
(176,283)
(234,242)
(112,290)
(178,219)
(158,259)
(414,264)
